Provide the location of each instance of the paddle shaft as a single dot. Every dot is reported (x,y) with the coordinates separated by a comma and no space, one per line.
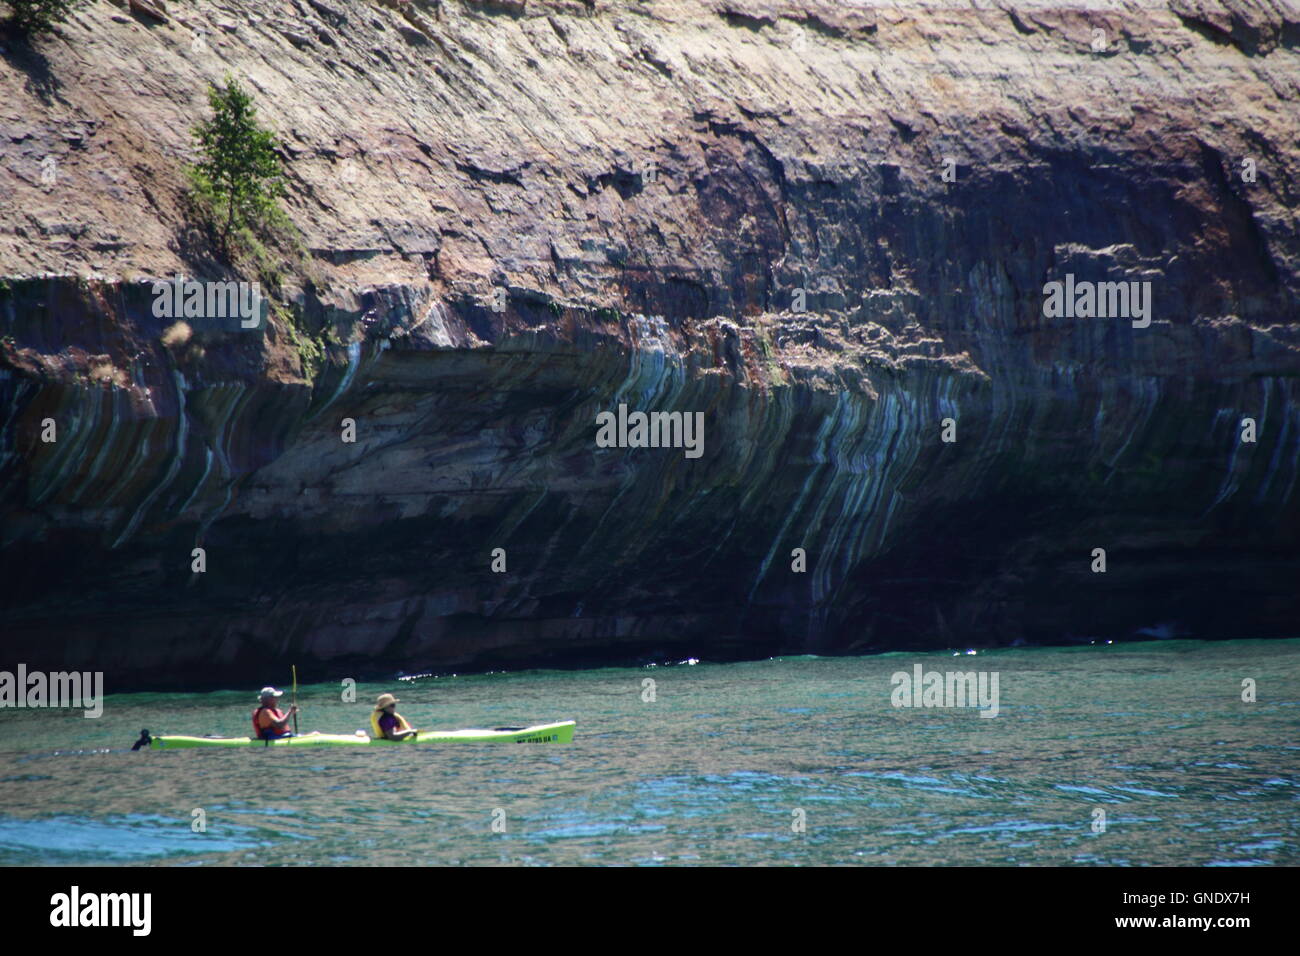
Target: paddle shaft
(295,700)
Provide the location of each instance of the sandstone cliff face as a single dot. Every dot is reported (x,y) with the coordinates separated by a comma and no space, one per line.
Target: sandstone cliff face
(522,214)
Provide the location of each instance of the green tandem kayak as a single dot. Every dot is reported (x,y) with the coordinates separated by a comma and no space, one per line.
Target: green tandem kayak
(559,733)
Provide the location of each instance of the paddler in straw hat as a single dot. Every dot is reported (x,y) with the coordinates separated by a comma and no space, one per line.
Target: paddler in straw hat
(386,722)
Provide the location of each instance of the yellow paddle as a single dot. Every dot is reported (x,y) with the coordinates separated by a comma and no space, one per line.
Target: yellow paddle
(295,699)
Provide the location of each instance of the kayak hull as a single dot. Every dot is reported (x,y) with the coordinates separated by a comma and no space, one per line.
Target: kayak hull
(557,733)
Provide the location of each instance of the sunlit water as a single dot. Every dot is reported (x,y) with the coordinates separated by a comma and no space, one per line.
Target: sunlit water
(712,771)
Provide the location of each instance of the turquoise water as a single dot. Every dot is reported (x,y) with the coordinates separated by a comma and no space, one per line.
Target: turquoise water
(718,769)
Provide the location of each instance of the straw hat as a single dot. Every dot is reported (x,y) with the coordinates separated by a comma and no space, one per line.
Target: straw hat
(384,701)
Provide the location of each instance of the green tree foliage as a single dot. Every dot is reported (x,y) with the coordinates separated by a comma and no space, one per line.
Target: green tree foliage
(39,16)
(238,177)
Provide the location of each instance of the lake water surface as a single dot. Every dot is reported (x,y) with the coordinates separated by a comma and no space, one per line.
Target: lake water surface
(723,766)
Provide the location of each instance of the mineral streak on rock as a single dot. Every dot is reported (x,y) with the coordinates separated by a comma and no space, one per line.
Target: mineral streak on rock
(654,186)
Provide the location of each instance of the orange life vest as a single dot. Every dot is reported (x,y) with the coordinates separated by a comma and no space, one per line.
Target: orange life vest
(258,729)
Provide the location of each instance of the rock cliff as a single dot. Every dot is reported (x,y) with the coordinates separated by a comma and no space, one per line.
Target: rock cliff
(828,227)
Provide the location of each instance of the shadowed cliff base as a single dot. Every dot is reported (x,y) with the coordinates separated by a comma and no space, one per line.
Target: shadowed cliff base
(829,231)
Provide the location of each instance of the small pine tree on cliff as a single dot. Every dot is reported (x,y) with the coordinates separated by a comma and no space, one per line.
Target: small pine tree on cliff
(40,16)
(238,177)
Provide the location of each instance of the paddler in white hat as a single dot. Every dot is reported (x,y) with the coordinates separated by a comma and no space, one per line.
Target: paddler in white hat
(269,722)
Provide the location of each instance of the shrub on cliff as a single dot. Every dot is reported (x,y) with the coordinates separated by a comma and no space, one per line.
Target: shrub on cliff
(235,190)
(237,181)
(40,16)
